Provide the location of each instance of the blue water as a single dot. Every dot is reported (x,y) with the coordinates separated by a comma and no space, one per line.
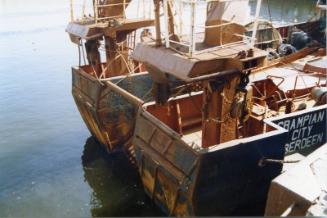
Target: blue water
(42,137)
(49,165)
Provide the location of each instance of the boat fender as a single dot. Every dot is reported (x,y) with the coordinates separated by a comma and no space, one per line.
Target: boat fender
(319,94)
(286,49)
(300,39)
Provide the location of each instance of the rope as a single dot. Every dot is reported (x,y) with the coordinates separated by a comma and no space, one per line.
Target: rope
(102,75)
(95,75)
(125,61)
(265,161)
(120,55)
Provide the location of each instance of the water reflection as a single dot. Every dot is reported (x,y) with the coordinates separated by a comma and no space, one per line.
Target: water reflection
(117,188)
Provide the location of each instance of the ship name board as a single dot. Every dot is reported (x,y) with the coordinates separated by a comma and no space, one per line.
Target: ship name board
(306,131)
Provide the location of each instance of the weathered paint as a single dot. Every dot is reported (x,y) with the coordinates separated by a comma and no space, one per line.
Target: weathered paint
(108,116)
(167,165)
(221,180)
(85,90)
(306,129)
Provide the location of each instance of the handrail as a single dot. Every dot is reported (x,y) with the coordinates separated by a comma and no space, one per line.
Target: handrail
(110,17)
(111,5)
(97,8)
(190,43)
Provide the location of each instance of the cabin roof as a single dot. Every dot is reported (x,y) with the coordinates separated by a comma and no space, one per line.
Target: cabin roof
(201,63)
(91,30)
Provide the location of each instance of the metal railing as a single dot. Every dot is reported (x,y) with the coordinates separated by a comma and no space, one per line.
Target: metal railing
(193,27)
(96,9)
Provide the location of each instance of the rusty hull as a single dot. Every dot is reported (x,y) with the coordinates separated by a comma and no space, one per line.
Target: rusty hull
(108,116)
(184,180)
(231,178)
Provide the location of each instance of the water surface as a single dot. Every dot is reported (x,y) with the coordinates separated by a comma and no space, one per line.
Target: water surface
(49,167)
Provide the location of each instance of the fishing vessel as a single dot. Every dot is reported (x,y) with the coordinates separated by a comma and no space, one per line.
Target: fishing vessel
(109,33)
(216,112)
(215,124)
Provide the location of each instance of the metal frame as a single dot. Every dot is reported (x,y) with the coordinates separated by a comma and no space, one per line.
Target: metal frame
(193,26)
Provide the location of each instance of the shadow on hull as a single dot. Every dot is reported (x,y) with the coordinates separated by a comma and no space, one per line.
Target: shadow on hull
(117,188)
